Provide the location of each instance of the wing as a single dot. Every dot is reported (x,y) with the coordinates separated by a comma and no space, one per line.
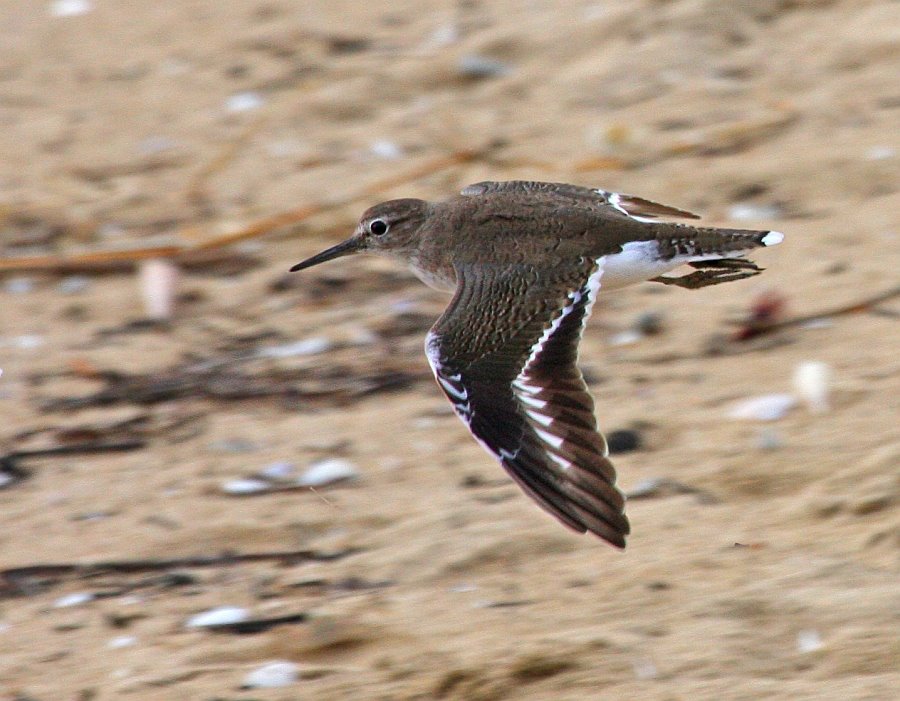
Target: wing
(627,205)
(504,352)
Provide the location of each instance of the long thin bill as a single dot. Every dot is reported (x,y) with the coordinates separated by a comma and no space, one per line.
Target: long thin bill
(342,249)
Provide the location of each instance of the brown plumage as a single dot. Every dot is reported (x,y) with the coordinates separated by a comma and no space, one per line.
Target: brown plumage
(525,261)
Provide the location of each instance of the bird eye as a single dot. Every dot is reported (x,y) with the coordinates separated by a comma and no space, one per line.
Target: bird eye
(378,227)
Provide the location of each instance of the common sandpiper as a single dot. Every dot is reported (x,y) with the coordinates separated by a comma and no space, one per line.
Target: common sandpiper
(524,261)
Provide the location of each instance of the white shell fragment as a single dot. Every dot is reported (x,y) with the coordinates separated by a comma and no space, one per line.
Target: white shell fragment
(745,211)
(808,641)
(766,407)
(221,616)
(121,641)
(244,102)
(70,8)
(272,675)
(327,472)
(75,599)
(158,282)
(812,380)
(246,485)
(278,471)
(308,346)
(388,150)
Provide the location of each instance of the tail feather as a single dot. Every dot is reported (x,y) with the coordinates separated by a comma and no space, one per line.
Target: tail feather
(704,243)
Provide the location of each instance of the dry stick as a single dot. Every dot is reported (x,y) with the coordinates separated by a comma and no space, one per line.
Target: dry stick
(87,261)
(14,579)
(9,463)
(858,306)
(106,259)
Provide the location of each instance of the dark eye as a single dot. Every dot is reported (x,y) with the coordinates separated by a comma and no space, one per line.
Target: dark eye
(378,227)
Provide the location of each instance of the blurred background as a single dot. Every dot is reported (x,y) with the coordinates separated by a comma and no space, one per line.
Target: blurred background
(219,480)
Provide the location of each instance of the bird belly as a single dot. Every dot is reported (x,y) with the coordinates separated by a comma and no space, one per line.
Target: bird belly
(640,261)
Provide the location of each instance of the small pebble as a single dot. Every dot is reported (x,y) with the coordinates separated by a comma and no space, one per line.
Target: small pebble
(767,439)
(649,323)
(812,380)
(645,669)
(245,486)
(308,346)
(28,342)
(744,211)
(70,8)
(223,615)
(272,675)
(278,471)
(442,36)
(243,102)
(475,66)
(880,153)
(75,599)
(121,641)
(328,472)
(233,445)
(74,284)
(808,641)
(623,441)
(388,150)
(463,588)
(767,407)
(19,285)
(626,338)
(158,280)
(156,144)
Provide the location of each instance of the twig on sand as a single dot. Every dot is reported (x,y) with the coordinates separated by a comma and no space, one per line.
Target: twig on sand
(95,261)
(860,305)
(19,581)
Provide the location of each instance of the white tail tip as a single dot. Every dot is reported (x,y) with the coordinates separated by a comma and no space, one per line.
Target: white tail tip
(773,238)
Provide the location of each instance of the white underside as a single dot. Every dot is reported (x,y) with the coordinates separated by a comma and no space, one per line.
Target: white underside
(640,261)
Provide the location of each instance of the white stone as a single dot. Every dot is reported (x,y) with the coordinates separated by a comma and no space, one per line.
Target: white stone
(244,102)
(19,285)
(308,346)
(75,599)
(245,486)
(808,641)
(388,150)
(158,282)
(70,8)
(272,675)
(812,381)
(121,641)
(220,616)
(327,472)
(28,342)
(745,211)
(766,407)
(278,471)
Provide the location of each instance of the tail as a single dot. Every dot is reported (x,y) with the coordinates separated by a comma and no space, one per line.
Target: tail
(703,243)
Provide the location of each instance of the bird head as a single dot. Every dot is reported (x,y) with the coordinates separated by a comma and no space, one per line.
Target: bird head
(390,228)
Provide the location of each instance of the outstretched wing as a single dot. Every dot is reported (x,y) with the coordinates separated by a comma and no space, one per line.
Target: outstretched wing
(627,205)
(504,352)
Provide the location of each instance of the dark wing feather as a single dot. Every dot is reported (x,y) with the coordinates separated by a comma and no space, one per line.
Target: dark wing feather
(505,352)
(626,205)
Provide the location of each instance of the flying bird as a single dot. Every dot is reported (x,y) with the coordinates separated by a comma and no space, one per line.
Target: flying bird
(524,262)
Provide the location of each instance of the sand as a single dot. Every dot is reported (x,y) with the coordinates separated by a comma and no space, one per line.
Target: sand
(774,575)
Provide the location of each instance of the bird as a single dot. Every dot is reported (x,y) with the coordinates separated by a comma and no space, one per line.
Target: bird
(524,261)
